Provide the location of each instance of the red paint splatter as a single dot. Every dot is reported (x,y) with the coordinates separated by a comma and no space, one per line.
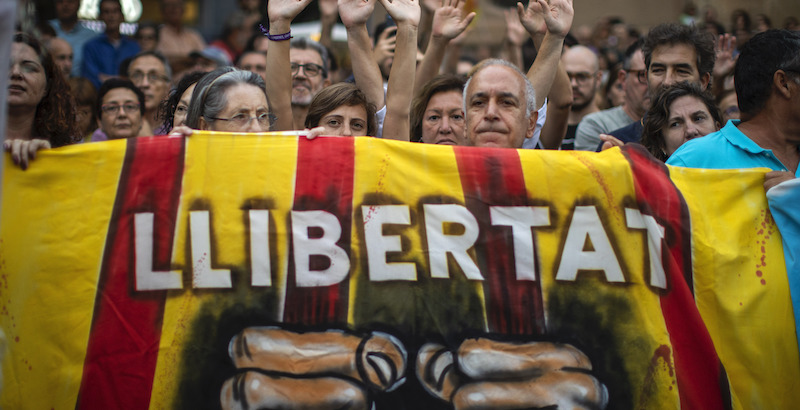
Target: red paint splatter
(763,260)
(16,339)
(759,274)
(740,304)
(763,250)
(763,282)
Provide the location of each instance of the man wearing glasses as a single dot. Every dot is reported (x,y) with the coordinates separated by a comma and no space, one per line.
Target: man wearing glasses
(583,69)
(120,109)
(310,67)
(633,78)
(151,73)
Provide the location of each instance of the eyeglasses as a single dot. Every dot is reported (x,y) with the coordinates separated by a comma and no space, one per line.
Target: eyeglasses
(641,75)
(311,69)
(241,120)
(113,109)
(152,77)
(581,78)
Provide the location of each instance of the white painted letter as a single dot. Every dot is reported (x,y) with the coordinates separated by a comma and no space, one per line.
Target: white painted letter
(655,237)
(440,244)
(259,248)
(203,276)
(521,219)
(146,278)
(326,246)
(586,224)
(375,216)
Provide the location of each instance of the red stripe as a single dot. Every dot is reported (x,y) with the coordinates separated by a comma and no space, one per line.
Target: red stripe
(324,181)
(126,326)
(697,365)
(493,177)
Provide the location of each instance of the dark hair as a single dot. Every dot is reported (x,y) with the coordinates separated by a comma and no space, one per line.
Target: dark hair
(112,84)
(657,117)
(84,93)
(55,114)
(630,51)
(146,24)
(156,54)
(303,43)
(166,110)
(337,95)
(440,84)
(100,5)
(745,17)
(760,58)
(208,98)
(672,34)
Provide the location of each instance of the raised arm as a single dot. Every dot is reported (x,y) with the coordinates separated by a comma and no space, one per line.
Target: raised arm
(328,11)
(515,37)
(354,14)
(406,14)
(557,16)
(279,83)
(449,22)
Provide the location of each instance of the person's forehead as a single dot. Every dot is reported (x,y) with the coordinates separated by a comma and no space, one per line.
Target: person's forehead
(148,63)
(354,112)
(24,52)
(58,45)
(637,61)
(303,56)
(579,60)
(243,96)
(445,99)
(120,95)
(253,58)
(674,54)
(110,5)
(497,79)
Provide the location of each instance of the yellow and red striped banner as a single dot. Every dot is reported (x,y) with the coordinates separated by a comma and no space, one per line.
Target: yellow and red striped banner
(134,274)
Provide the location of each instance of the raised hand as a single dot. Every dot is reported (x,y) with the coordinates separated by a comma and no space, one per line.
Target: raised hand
(285,10)
(403,11)
(355,12)
(558,15)
(725,61)
(515,31)
(449,20)
(384,48)
(532,18)
(328,10)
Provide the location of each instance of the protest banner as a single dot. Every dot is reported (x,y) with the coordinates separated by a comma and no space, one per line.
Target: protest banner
(241,271)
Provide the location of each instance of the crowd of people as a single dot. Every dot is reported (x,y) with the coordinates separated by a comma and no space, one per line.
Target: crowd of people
(412,80)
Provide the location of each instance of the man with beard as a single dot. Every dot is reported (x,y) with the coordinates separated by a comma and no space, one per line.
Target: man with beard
(673,53)
(583,69)
(633,77)
(310,64)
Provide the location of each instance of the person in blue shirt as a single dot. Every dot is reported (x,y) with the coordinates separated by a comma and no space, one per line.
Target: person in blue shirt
(70,29)
(767,80)
(103,54)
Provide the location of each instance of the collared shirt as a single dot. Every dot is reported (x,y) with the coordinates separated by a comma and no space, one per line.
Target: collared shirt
(727,148)
(101,56)
(77,38)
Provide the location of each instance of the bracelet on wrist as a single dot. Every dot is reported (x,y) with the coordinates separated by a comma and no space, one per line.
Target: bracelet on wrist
(275,37)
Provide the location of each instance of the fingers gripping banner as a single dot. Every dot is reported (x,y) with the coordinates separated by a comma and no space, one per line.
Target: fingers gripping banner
(225,271)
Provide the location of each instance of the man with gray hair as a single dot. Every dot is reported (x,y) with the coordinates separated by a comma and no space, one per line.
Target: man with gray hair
(500,105)
(499,100)
(310,63)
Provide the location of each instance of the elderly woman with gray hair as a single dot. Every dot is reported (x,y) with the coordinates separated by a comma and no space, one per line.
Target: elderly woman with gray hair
(230,100)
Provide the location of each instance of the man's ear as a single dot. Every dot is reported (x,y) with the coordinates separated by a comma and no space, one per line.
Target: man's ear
(705,79)
(202,124)
(781,82)
(326,83)
(532,124)
(621,75)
